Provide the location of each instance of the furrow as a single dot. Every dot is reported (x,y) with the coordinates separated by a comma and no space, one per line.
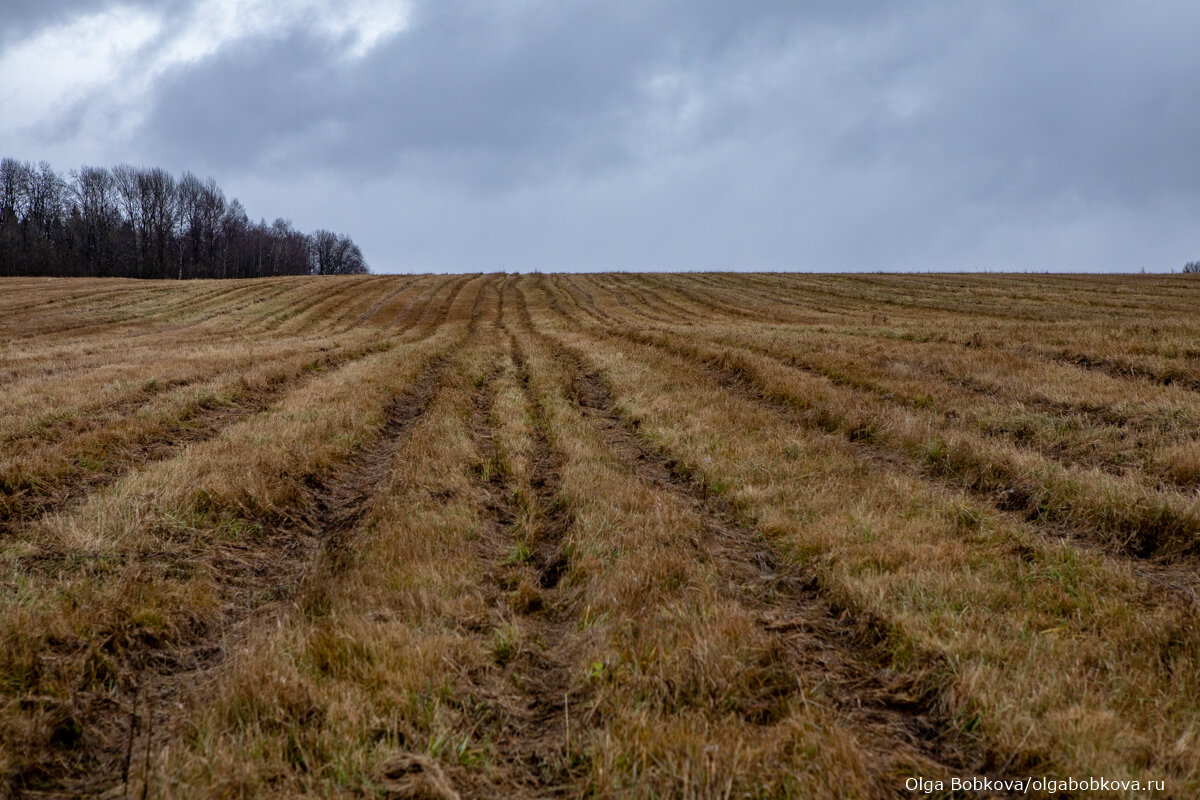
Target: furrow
(1132,370)
(957,404)
(1132,521)
(523,523)
(897,717)
(403,284)
(296,554)
(111,452)
(1127,520)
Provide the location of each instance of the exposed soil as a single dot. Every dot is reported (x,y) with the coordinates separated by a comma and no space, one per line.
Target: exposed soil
(532,758)
(115,729)
(25,499)
(896,716)
(535,709)
(1154,551)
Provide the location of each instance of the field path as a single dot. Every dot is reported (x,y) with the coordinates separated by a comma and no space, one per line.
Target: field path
(303,545)
(597,535)
(1160,525)
(895,717)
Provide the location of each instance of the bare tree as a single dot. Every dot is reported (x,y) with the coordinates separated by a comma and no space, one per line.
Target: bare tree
(211,202)
(14,210)
(160,203)
(14,183)
(333,254)
(129,194)
(191,225)
(95,191)
(142,222)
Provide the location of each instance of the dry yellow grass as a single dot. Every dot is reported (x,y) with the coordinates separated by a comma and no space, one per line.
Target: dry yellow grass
(607,536)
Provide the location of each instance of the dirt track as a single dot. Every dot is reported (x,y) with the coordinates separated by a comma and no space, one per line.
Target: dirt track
(704,536)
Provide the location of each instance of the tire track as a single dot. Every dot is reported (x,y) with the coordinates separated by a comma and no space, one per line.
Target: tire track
(1163,533)
(405,318)
(1153,531)
(526,518)
(26,497)
(709,303)
(653,300)
(894,717)
(85,354)
(581,299)
(622,299)
(588,302)
(1056,453)
(55,429)
(366,294)
(370,292)
(302,318)
(341,500)
(262,322)
(305,553)
(163,376)
(1126,370)
(154,386)
(790,296)
(435,313)
(900,718)
(529,513)
(379,305)
(95,326)
(1060,452)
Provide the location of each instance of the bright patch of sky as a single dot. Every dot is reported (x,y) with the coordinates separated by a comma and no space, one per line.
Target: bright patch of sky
(124,49)
(359,24)
(657,134)
(61,65)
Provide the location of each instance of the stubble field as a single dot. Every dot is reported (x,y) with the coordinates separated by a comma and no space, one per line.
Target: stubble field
(705,535)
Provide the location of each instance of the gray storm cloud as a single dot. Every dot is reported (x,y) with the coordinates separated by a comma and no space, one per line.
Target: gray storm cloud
(463,135)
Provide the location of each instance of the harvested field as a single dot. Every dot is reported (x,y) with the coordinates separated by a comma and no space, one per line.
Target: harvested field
(703,536)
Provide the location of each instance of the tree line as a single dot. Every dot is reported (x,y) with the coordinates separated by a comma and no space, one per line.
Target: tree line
(139,222)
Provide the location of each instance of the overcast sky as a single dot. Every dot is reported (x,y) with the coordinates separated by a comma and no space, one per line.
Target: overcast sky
(468,135)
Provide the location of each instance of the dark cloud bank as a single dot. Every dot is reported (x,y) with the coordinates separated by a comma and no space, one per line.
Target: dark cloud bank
(539,134)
